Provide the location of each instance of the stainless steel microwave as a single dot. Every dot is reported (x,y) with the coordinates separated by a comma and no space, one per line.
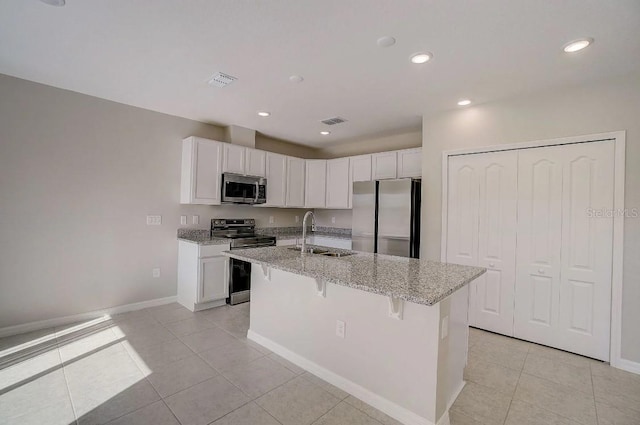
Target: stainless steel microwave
(240,189)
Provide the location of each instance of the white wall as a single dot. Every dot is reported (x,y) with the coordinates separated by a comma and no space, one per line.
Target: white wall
(595,108)
(78,175)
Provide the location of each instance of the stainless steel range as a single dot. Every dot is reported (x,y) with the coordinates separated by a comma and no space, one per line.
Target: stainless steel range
(241,231)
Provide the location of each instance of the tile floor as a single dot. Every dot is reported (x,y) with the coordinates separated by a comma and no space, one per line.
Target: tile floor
(166,365)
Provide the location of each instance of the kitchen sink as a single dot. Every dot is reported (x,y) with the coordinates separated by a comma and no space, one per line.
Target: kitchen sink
(310,250)
(337,254)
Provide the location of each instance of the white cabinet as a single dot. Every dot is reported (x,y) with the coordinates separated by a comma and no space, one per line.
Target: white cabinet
(295,182)
(410,163)
(384,165)
(338,183)
(255,163)
(203,275)
(315,183)
(233,158)
(330,242)
(286,242)
(276,173)
(214,279)
(201,171)
(360,168)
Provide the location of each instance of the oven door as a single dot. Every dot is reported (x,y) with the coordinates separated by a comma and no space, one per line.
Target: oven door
(238,189)
(239,281)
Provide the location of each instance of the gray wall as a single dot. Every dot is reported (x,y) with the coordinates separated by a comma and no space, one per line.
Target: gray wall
(78,175)
(594,108)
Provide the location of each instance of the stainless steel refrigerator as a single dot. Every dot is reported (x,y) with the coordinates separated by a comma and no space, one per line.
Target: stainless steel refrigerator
(386,217)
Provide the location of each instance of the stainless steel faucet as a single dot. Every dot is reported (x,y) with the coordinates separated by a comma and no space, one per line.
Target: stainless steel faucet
(304,229)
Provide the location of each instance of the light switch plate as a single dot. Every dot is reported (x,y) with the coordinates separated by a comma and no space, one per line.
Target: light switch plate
(154,220)
(195,219)
(183,220)
(333,220)
(271,219)
(297,219)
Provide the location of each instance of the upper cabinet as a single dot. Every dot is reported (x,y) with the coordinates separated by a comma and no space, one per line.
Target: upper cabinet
(338,183)
(315,183)
(201,164)
(410,163)
(384,165)
(360,168)
(276,167)
(291,182)
(255,162)
(295,182)
(233,159)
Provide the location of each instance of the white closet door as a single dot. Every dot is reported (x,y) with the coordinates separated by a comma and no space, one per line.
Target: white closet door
(462,217)
(563,287)
(539,243)
(497,241)
(587,246)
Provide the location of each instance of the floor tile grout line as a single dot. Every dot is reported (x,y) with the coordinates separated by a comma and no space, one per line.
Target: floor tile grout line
(66,381)
(593,391)
(516,388)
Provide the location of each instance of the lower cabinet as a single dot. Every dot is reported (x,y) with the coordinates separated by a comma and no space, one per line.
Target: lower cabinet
(203,275)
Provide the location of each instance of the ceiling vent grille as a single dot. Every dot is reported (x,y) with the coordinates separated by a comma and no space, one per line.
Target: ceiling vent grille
(220,79)
(333,121)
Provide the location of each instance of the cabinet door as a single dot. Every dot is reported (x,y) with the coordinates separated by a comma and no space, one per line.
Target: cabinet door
(206,172)
(255,162)
(360,168)
(214,279)
(276,166)
(384,165)
(497,224)
(410,163)
(295,182)
(316,183)
(338,183)
(233,158)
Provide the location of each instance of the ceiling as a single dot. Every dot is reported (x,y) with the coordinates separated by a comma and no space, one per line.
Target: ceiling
(158,54)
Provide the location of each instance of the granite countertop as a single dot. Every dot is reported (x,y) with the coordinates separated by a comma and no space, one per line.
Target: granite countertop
(200,237)
(203,236)
(418,281)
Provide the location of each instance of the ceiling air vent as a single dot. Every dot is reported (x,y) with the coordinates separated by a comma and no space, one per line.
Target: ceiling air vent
(220,79)
(333,121)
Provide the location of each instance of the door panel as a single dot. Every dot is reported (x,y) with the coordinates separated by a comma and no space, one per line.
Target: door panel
(214,279)
(497,241)
(587,244)
(539,243)
(564,253)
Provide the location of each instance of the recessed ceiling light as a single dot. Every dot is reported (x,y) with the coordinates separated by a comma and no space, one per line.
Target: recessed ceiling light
(325,133)
(577,45)
(464,102)
(296,79)
(264,113)
(54,2)
(421,57)
(386,41)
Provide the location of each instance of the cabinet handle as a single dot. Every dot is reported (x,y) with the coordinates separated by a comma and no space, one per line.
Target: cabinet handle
(541,271)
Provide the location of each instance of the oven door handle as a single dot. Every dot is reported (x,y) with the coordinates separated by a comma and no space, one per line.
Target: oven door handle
(261,245)
(257,193)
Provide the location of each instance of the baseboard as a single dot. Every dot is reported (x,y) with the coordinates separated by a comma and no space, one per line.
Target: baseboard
(628,365)
(61,321)
(458,391)
(390,408)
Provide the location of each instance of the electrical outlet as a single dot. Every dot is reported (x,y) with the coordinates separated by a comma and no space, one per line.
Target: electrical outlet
(154,220)
(195,219)
(271,219)
(340,328)
(444,327)
(333,220)
(297,219)
(155,272)
(183,220)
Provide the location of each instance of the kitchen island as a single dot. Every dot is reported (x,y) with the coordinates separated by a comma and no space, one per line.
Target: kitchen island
(391,331)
